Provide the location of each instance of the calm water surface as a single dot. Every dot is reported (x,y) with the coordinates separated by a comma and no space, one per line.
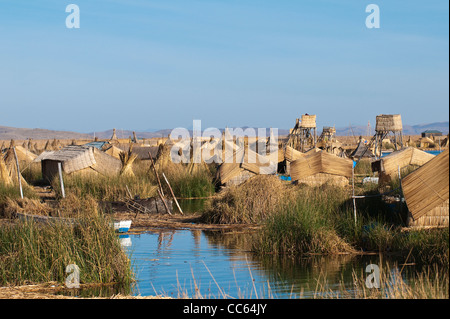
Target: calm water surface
(209,264)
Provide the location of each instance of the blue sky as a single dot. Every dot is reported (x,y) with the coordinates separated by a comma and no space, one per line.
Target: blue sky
(143,64)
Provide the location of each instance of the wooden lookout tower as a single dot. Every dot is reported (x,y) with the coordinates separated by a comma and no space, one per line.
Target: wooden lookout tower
(303,136)
(388,125)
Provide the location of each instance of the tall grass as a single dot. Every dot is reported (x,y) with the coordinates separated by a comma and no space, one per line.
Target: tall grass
(142,182)
(39,253)
(432,283)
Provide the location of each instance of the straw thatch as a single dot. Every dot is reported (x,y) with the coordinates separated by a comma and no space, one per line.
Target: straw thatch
(308,121)
(388,166)
(113,151)
(5,177)
(9,169)
(243,164)
(362,151)
(127,159)
(321,167)
(426,142)
(389,122)
(114,138)
(291,154)
(163,157)
(426,192)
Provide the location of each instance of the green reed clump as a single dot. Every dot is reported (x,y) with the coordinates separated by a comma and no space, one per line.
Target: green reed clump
(107,188)
(186,185)
(38,253)
(306,224)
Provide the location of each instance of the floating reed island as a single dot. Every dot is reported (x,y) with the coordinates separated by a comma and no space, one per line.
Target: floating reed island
(326,195)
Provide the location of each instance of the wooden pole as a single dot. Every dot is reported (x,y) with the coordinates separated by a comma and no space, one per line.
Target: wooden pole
(61,180)
(18,172)
(171,191)
(353,197)
(156,173)
(164,202)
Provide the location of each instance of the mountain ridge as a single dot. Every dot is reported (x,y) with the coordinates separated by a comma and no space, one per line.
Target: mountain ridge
(8,133)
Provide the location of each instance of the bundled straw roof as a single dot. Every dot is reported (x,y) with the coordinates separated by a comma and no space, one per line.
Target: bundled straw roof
(77,158)
(291,154)
(308,121)
(407,156)
(321,162)
(428,187)
(245,161)
(388,122)
(362,150)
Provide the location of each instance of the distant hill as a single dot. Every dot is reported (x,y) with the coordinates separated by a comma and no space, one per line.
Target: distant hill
(8,133)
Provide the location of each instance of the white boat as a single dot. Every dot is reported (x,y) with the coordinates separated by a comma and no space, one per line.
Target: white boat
(122,226)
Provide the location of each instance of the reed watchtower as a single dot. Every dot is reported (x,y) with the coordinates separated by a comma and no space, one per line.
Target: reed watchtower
(388,125)
(303,136)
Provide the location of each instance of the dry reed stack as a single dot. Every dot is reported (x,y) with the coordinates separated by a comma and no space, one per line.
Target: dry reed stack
(163,157)
(127,159)
(9,170)
(317,168)
(5,177)
(114,138)
(426,191)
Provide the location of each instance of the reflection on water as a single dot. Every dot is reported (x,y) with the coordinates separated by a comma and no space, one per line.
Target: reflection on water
(213,265)
(191,206)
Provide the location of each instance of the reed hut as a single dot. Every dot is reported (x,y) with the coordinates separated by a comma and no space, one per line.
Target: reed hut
(317,168)
(362,151)
(291,155)
(243,164)
(408,158)
(79,160)
(426,191)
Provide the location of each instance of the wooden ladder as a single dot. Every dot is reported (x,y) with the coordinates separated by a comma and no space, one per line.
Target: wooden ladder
(131,204)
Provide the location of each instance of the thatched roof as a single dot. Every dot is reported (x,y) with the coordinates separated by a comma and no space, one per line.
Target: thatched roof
(245,160)
(389,122)
(320,162)
(76,158)
(291,154)
(427,187)
(402,158)
(362,150)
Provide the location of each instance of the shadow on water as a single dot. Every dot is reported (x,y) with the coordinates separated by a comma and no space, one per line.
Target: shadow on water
(191,206)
